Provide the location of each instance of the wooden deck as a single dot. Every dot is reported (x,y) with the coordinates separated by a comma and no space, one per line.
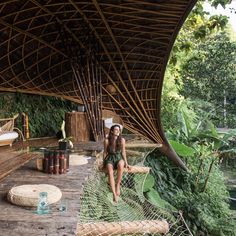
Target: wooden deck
(15,220)
(18,167)
(20,153)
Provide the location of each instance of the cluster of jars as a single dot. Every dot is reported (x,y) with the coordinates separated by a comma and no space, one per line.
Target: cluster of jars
(56,161)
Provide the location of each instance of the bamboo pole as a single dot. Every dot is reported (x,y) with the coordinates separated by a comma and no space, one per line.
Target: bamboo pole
(100,99)
(123,227)
(82,90)
(90,95)
(97,95)
(86,81)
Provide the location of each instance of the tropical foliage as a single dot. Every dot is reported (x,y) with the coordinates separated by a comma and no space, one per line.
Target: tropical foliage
(209,75)
(206,212)
(200,29)
(201,62)
(201,194)
(45,113)
(199,87)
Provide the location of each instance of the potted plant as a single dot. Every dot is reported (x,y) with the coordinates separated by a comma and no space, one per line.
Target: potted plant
(65,142)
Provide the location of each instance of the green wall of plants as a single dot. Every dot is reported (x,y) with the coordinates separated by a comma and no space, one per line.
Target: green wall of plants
(45,113)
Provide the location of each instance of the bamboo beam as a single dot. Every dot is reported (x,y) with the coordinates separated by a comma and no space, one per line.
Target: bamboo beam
(139,144)
(136,109)
(12,27)
(139,104)
(122,228)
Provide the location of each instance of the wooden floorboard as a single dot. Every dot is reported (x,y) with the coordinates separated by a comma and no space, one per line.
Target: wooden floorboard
(11,158)
(16,220)
(14,162)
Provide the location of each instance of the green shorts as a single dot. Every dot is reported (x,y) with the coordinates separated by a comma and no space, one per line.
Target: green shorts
(112,159)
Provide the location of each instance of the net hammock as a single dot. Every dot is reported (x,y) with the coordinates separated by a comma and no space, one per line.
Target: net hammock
(139,211)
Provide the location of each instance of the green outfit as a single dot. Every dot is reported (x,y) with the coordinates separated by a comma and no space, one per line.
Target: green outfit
(113,158)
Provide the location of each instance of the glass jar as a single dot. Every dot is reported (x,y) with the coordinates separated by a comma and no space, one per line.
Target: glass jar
(43,206)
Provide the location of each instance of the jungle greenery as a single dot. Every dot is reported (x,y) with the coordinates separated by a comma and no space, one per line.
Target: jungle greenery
(201,193)
(209,76)
(201,70)
(45,113)
(198,96)
(202,197)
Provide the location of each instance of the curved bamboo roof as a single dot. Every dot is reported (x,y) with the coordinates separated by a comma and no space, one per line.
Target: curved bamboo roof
(80,50)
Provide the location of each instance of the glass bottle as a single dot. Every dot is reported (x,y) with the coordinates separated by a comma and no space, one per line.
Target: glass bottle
(43,206)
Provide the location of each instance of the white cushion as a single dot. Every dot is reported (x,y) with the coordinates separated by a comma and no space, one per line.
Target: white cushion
(108,121)
(28,195)
(8,135)
(77,160)
(109,125)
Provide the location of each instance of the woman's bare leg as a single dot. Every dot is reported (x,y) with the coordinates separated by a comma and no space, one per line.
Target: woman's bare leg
(112,181)
(120,170)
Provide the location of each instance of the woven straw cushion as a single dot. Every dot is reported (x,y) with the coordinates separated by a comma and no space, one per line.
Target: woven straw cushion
(77,160)
(28,195)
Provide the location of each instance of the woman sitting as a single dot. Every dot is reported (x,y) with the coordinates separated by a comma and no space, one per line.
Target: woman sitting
(115,158)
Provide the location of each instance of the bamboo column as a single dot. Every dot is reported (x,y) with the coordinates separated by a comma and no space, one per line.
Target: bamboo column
(87,73)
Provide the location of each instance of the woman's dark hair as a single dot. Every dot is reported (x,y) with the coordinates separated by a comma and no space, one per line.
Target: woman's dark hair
(114,144)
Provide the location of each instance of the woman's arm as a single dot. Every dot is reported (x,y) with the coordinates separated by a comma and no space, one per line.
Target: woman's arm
(123,152)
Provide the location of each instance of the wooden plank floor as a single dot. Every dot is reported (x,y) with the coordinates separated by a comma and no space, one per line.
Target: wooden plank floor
(20,153)
(10,161)
(15,220)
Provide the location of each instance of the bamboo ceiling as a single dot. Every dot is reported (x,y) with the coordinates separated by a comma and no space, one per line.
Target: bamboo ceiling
(54,47)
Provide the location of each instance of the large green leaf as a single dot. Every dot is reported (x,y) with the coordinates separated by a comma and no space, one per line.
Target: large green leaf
(138,185)
(154,198)
(129,211)
(182,149)
(149,183)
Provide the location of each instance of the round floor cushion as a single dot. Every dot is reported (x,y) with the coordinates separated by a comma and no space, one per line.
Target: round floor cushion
(28,195)
(77,160)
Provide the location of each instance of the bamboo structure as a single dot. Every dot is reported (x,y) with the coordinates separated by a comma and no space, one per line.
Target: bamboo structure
(122,228)
(104,54)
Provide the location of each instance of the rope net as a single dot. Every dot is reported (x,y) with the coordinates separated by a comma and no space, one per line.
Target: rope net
(139,211)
